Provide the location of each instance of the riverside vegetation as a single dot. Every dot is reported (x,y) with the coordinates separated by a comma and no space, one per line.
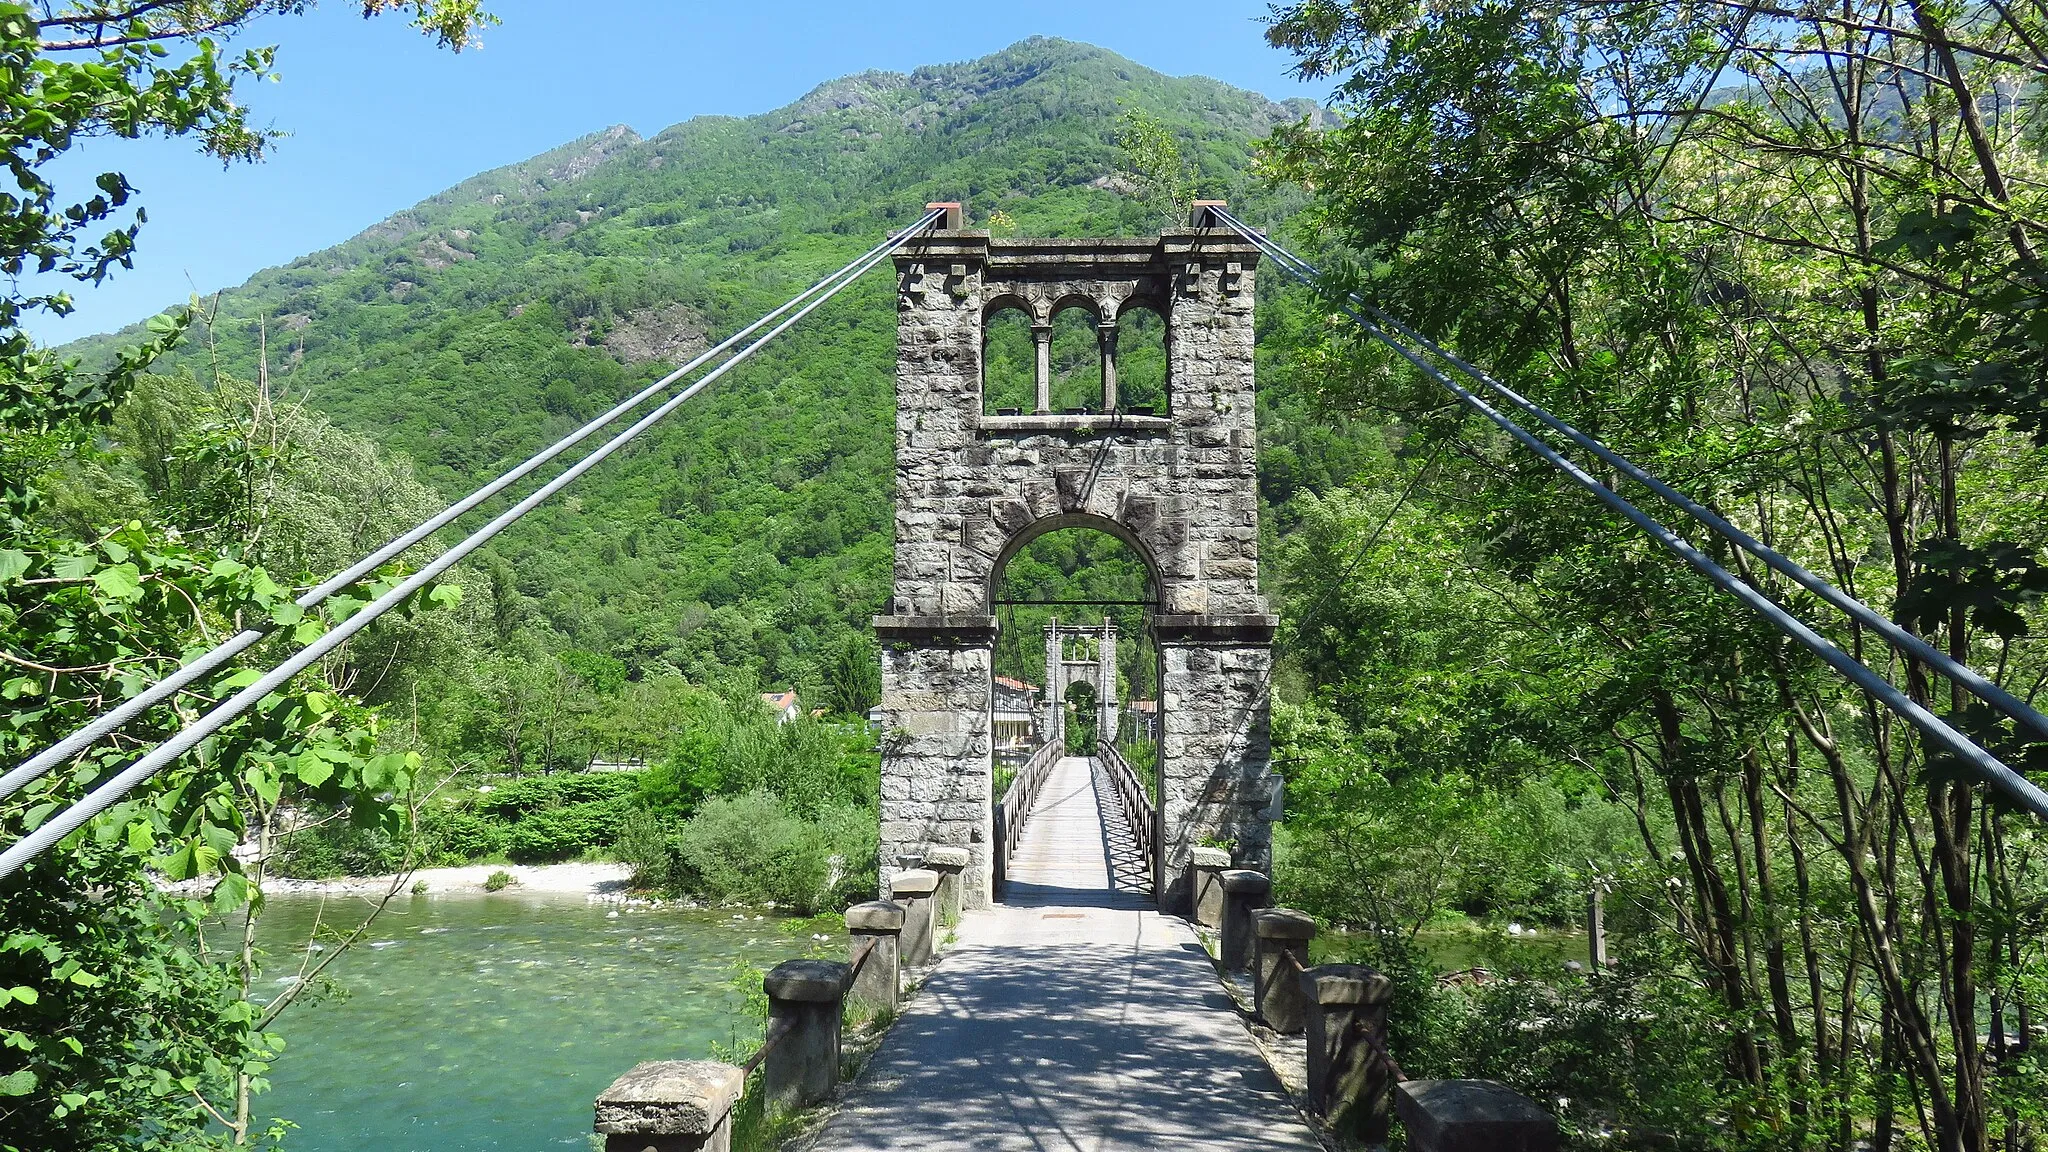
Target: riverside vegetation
(1788,259)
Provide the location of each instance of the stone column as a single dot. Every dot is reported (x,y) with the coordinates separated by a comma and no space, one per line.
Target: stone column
(1244,892)
(805,1001)
(1041,335)
(1206,873)
(1283,935)
(948,862)
(1348,1084)
(1215,628)
(878,926)
(1215,745)
(937,747)
(670,1106)
(1472,1116)
(1105,335)
(914,890)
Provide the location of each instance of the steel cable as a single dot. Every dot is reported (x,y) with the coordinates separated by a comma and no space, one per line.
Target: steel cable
(108,722)
(104,796)
(1994,771)
(1915,646)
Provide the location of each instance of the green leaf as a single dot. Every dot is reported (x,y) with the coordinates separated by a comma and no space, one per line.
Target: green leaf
(73,567)
(23,993)
(287,614)
(19,1083)
(122,582)
(446,595)
(312,770)
(13,562)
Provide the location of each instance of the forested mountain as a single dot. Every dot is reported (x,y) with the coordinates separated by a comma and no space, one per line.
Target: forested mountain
(473,328)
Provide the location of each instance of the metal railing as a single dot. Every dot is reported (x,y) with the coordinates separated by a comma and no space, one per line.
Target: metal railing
(1137,806)
(1015,806)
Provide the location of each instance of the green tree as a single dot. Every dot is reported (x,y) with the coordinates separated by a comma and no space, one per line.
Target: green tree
(121,1028)
(1786,258)
(1152,160)
(853,681)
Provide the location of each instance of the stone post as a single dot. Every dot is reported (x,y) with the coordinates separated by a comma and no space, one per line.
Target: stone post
(670,1106)
(1205,872)
(1472,1116)
(914,890)
(1244,892)
(1348,1083)
(879,981)
(1596,930)
(1283,936)
(805,999)
(948,862)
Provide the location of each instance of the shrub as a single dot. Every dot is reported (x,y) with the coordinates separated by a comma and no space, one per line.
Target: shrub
(457,834)
(651,844)
(750,848)
(497,881)
(561,833)
(856,843)
(336,847)
(514,800)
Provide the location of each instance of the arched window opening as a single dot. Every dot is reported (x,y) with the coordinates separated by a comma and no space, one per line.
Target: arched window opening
(1009,363)
(1141,361)
(1076,361)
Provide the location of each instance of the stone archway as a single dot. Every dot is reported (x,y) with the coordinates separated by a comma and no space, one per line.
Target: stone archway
(1180,488)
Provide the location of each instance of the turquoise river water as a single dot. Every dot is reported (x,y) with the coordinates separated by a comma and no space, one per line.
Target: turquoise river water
(488,1023)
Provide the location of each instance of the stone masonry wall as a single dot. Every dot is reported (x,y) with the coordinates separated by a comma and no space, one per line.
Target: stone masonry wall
(971,489)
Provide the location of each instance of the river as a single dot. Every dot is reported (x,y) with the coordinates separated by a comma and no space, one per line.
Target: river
(488,1023)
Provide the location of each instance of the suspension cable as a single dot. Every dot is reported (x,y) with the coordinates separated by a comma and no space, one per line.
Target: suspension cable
(1900,638)
(101,798)
(1994,771)
(42,762)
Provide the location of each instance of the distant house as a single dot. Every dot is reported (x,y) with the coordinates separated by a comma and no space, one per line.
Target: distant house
(785,705)
(1014,712)
(1144,718)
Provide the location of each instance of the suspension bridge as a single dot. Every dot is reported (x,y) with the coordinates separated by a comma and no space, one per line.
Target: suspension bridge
(1077,1005)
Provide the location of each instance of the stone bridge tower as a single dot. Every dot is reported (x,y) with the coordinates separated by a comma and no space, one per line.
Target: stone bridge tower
(1179,487)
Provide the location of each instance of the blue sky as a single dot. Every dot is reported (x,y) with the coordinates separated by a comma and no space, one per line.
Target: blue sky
(380,119)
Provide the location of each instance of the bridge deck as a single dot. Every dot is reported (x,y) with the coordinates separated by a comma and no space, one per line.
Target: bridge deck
(1070,1017)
